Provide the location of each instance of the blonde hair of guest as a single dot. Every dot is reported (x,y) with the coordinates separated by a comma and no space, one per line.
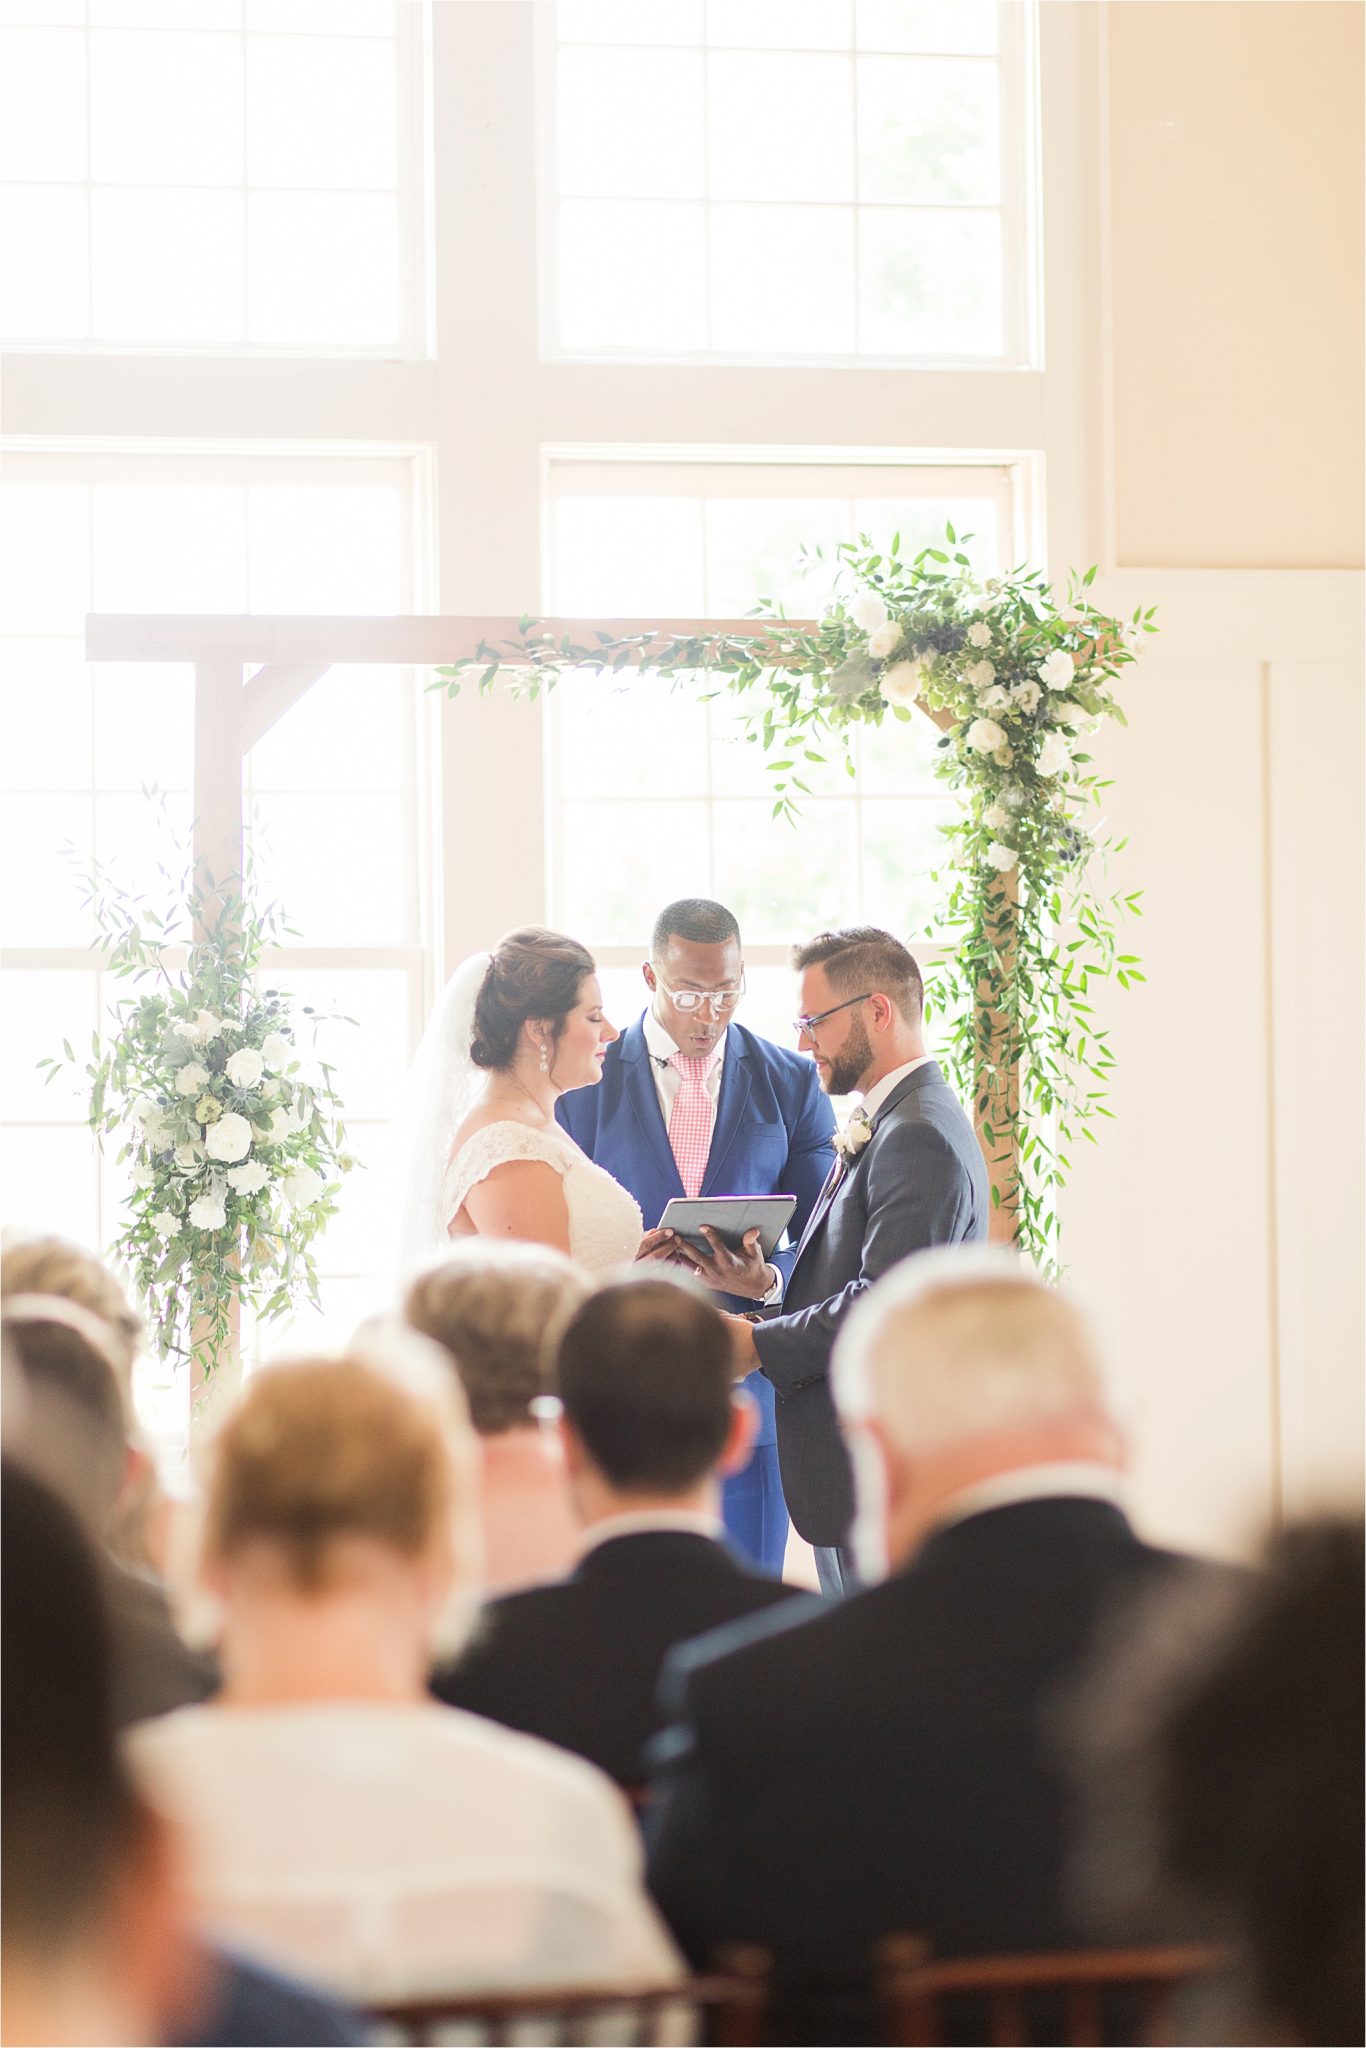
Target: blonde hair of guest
(322,1457)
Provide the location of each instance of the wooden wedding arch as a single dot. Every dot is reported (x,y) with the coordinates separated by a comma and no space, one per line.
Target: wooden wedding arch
(249,671)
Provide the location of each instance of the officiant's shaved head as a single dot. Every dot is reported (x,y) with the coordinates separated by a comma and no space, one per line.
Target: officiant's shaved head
(696,919)
(695,953)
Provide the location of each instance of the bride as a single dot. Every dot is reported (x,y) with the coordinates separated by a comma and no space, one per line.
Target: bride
(514,1030)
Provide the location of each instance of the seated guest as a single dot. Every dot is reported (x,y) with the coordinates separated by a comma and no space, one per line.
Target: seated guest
(51,1265)
(72,1428)
(1226,1782)
(94,1939)
(884,1766)
(650,1426)
(499,1309)
(344,1823)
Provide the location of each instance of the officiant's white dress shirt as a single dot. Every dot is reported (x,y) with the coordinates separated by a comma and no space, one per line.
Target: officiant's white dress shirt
(668,1080)
(396,1852)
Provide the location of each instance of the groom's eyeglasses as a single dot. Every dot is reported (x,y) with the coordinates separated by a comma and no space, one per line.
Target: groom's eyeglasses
(808,1024)
(721,1000)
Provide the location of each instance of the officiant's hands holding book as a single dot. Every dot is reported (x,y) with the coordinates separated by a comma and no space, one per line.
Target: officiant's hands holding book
(729,1268)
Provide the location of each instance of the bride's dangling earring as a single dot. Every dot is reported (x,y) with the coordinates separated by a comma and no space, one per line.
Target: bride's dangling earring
(545,1058)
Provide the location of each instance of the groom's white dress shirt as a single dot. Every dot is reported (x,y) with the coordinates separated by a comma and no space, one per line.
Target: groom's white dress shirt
(880,1090)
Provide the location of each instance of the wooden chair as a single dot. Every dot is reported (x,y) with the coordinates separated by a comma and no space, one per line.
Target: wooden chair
(919,1994)
(730,2005)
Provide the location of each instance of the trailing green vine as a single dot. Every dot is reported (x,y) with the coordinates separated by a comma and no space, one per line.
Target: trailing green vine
(1016,679)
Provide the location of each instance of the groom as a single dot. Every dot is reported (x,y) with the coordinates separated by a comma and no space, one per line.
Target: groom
(910,1174)
(693,1103)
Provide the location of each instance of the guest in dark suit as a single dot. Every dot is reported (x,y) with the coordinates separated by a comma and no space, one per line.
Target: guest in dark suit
(907,1779)
(691,1102)
(910,1175)
(650,1423)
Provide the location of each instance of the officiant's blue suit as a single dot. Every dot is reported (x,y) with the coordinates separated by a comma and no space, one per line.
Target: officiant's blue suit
(772,1136)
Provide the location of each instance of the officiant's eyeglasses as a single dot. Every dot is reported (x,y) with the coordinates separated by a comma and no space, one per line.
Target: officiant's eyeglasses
(722,1000)
(808,1024)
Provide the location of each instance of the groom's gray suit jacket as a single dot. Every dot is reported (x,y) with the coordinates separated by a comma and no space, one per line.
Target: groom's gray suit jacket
(919,1181)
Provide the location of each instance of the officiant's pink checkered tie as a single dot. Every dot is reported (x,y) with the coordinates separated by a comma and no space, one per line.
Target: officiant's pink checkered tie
(692,1119)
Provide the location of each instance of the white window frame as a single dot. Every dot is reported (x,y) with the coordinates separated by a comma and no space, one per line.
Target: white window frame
(415,238)
(1020,214)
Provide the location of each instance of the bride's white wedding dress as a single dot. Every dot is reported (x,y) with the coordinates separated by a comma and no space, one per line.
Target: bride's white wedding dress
(605,1223)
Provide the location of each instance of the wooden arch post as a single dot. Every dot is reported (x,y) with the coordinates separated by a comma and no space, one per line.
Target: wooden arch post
(249,670)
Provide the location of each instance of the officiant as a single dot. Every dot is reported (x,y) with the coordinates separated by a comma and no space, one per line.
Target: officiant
(693,1103)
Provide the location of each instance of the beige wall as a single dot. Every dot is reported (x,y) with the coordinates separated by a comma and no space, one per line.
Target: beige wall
(1235,160)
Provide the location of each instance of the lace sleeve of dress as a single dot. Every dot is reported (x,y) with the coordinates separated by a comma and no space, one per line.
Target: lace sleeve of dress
(496,1145)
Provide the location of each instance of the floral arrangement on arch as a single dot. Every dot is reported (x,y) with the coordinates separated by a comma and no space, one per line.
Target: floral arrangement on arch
(1016,679)
(233,1130)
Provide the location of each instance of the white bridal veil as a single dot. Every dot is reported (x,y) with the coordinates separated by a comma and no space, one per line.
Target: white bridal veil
(441,1087)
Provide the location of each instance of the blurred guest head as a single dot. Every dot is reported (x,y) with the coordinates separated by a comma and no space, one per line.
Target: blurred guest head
(961,1367)
(650,1410)
(93,1945)
(1227,1783)
(73,1427)
(56,1266)
(337,1520)
(498,1309)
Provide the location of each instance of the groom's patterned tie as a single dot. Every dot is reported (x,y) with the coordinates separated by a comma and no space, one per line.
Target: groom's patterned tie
(692,1119)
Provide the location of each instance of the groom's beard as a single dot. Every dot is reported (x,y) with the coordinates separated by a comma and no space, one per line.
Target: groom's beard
(848,1066)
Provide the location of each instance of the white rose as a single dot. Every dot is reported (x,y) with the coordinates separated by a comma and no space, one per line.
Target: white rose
(187,1029)
(902,682)
(302,1187)
(285,1123)
(229,1138)
(276,1051)
(882,640)
(165,1223)
(191,1079)
(1002,858)
(248,1179)
(868,611)
(207,1026)
(1066,711)
(979,634)
(984,736)
(1026,695)
(997,698)
(1054,755)
(189,1157)
(979,675)
(208,1213)
(995,818)
(245,1068)
(1057,672)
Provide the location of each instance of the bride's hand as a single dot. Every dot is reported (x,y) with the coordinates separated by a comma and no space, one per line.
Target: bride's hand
(661,1246)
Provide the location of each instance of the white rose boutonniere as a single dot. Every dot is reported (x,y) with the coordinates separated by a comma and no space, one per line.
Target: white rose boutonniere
(851,1140)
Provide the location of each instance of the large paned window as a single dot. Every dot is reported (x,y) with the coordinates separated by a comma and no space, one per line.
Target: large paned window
(822,179)
(96,764)
(655,792)
(235,174)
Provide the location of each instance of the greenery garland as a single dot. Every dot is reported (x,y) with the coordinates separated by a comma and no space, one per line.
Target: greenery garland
(1016,680)
(236,1140)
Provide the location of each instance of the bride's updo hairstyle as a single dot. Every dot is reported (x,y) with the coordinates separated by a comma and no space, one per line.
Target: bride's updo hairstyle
(533,973)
